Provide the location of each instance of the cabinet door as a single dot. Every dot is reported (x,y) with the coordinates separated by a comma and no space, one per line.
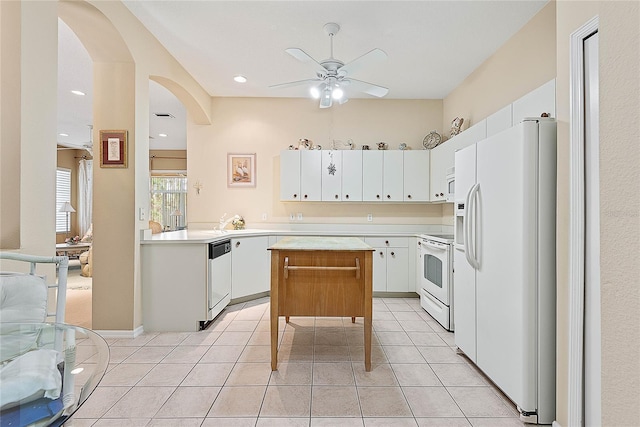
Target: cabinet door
(372,176)
(250,266)
(352,176)
(331,172)
(290,175)
(442,159)
(397,269)
(393,176)
(310,178)
(416,175)
(380,270)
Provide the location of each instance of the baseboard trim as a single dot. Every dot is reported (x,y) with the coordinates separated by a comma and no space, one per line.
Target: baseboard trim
(119,334)
(555,424)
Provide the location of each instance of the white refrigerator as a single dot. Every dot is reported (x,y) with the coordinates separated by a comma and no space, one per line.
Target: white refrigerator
(504,262)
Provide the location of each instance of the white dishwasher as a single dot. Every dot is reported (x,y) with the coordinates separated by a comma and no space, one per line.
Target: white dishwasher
(219,279)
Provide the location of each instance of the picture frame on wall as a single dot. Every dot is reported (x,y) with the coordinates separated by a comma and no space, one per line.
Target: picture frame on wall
(113,148)
(241,170)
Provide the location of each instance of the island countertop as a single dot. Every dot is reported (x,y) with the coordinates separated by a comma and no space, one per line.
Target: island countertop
(321,243)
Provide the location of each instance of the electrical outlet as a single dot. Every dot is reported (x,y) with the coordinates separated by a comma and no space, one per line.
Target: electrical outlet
(142,214)
(299,216)
(264,216)
(292,217)
(369,217)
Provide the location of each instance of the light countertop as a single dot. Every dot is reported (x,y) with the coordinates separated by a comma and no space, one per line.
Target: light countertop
(318,243)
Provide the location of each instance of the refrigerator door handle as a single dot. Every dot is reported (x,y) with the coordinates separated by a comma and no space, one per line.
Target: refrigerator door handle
(466,234)
(472,225)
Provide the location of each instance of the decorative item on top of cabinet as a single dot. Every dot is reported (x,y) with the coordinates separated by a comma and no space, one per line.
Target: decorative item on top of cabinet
(403,146)
(382,145)
(337,144)
(305,144)
(456,126)
(432,140)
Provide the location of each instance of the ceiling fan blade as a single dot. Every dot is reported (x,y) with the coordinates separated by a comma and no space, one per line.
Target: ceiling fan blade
(368,88)
(296,83)
(303,56)
(365,60)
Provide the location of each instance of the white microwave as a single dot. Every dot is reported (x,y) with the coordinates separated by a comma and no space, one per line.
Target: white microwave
(451,184)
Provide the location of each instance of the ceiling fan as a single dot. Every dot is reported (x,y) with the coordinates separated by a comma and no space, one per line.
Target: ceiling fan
(333,75)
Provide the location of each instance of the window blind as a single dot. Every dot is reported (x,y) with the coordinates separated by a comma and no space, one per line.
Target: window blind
(63,194)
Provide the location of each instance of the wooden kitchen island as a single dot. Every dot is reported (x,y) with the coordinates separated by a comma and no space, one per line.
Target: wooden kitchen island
(321,276)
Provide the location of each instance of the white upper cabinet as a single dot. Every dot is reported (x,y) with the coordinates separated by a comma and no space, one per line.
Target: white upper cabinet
(443,158)
(416,175)
(310,175)
(372,162)
(393,176)
(500,120)
(352,176)
(290,175)
(332,172)
(536,102)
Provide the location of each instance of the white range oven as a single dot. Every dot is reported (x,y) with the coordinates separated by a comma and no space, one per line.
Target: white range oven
(436,277)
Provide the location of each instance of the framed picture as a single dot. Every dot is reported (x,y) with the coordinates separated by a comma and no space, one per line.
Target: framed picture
(241,170)
(113,148)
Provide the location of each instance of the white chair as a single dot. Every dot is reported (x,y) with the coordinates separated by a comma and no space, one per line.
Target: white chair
(25,300)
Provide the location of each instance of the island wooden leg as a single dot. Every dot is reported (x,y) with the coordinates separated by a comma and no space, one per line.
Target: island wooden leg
(368,309)
(286,319)
(353,320)
(275,263)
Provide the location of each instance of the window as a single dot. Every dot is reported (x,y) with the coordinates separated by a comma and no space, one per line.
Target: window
(169,201)
(63,194)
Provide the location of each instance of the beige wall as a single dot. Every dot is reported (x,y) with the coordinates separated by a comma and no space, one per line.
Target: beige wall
(266,126)
(9,125)
(620,210)
(525,62)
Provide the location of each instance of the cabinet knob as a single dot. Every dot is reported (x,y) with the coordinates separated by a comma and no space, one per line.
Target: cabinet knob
(237,244)
(305,196)
(386,242)
(381,253)
(441,194)
(377,196)
(419,243)
(437,195)
(408,196)
(295,196)
(393,254)
(388,196)
(346,196)
(336,197)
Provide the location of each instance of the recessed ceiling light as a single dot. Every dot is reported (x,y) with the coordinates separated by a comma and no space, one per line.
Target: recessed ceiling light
(164,135)
(63,134)
(77,92)
(240,79)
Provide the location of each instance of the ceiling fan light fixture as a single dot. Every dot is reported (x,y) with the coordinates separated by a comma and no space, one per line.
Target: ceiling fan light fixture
(240,79)
(337,93)
(315,92)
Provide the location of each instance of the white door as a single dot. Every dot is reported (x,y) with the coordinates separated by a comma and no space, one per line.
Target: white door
(393,176)
(331,171)
(250,266)
(379,270)
(464,275)
(352,176)
(372,175)
(506,251)
(310,178)
(592,342)
(290,175)
(416,175)
(397,269)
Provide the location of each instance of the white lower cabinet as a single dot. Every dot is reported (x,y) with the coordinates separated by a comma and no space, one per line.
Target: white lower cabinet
(391,264)
(250,266)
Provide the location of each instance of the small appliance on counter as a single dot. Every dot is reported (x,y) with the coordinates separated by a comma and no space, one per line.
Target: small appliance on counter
(436,277)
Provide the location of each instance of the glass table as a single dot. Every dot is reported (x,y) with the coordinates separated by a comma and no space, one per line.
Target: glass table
(47,371)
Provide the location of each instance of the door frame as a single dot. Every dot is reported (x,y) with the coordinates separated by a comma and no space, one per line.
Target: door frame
(577,222)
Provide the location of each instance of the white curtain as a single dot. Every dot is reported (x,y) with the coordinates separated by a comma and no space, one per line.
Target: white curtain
(85,195)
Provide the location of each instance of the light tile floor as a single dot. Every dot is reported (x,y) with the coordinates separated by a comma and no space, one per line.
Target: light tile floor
(222,376)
